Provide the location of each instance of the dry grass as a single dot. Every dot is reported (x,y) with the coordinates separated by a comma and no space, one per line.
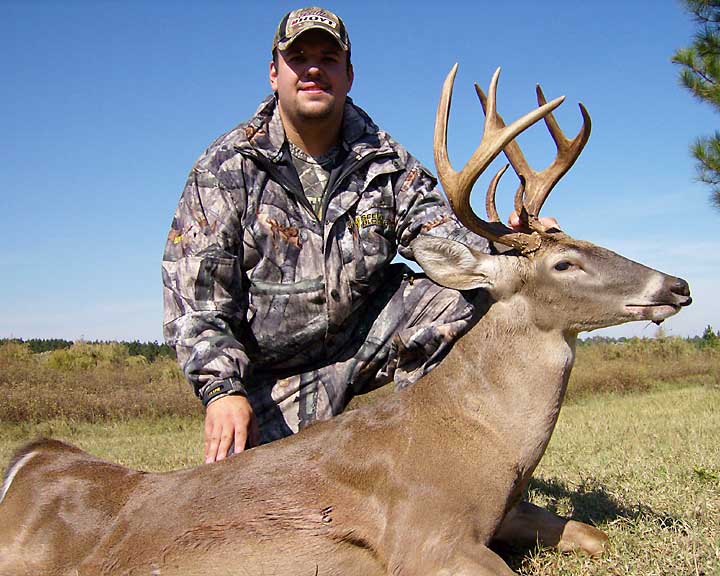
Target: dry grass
(96,382)
(89,382)
(641,365)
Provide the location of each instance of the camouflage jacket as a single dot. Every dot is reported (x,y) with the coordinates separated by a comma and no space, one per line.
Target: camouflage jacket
(254,280)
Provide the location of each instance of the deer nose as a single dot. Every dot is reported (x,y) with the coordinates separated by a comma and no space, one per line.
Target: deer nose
(681,288)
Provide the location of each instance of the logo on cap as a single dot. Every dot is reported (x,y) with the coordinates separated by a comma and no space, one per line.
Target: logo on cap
(298,21)
(312,18)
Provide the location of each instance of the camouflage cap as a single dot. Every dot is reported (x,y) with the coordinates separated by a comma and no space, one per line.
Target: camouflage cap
(296,22)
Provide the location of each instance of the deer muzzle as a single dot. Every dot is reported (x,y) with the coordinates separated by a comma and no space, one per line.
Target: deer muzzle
(673,295)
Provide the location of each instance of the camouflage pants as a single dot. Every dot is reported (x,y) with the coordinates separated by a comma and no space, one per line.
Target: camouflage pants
(409,327)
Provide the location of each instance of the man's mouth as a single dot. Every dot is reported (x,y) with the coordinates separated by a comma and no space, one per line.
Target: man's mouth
(313,88)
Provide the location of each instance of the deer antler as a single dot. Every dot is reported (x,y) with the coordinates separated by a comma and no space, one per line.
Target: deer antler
(496,136)
(535,186)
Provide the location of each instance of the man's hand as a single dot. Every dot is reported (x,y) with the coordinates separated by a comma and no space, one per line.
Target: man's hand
(547,221)
(229,423)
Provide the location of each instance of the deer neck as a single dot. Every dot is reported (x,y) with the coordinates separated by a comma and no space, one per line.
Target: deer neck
(510,376)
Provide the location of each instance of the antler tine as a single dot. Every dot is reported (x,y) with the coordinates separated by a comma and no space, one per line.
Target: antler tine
(516,158)
(568,152)
(442,162)
(496,136)
(535,189)
(490,208)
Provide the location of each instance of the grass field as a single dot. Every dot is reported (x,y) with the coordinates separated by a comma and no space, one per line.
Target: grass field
(645,467)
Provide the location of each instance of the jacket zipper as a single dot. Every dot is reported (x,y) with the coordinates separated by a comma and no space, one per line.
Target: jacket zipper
(272,170)
(359,162)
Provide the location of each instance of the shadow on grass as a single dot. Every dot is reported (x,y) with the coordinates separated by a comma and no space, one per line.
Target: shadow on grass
(591,504)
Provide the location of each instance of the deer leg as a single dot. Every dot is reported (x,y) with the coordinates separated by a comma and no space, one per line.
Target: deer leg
(482,562)
(527,525)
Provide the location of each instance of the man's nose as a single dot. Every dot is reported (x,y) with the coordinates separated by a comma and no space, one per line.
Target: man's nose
(313,70)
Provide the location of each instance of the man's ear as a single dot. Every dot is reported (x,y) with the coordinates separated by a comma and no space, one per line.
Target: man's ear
(273,76)
(351,76)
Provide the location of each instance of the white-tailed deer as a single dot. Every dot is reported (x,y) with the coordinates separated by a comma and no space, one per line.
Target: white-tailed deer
(418,485)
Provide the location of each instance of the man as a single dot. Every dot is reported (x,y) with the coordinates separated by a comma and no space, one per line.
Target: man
(280,296)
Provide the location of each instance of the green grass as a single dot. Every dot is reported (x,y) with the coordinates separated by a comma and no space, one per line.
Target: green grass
(646,469)
(153,444)
(643,467)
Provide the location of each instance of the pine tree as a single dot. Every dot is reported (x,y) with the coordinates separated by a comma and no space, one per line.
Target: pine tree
(709,338)
(700,74)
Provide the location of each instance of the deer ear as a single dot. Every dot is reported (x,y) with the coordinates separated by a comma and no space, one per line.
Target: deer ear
(452,264)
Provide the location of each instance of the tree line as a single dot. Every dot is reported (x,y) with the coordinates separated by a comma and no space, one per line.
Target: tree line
(150,350)
(153,350)
(708,339)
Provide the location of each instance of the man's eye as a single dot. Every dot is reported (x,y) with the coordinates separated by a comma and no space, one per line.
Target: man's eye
(293,56)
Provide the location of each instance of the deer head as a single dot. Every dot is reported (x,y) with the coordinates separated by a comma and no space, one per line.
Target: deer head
(562,283)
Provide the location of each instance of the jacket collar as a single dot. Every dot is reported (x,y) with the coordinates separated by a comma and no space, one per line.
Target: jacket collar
(264,132)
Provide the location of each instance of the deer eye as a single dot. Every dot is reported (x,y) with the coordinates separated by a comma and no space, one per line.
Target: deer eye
(563,265)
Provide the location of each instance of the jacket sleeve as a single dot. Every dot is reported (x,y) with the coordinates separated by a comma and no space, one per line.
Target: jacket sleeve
(422,209)
(205,302)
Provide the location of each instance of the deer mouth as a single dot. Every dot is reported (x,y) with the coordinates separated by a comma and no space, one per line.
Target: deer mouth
(655,312)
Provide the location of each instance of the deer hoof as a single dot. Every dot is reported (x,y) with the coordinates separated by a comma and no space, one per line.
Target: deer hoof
(581,537)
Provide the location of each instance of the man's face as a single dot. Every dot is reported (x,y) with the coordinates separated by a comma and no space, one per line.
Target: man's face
(312,78)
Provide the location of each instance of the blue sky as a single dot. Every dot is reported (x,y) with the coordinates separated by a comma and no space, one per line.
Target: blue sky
(107,104)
